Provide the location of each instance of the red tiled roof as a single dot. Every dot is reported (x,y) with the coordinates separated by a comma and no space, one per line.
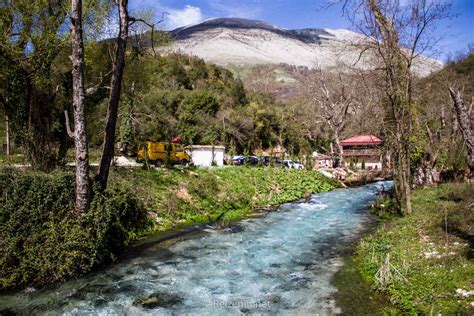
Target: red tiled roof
(362,140)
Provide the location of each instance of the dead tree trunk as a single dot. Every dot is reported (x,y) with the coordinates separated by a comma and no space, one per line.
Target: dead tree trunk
(79,135)
(114,97)
(465,125)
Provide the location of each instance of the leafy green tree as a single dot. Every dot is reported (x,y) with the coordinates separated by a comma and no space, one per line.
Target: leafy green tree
(35,74)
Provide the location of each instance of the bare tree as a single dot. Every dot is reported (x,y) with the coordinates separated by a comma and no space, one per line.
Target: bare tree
(331,102)
(397,34)
(464,120)
(79,135)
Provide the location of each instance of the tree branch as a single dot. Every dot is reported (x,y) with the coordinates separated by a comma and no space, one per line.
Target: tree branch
(68,125)
(132,20)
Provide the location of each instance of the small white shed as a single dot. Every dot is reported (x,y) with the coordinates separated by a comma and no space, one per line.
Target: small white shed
(203,155)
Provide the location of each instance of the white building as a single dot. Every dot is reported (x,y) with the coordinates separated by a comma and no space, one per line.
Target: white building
(203,155)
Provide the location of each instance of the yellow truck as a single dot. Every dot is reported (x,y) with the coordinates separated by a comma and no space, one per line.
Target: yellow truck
(158,153)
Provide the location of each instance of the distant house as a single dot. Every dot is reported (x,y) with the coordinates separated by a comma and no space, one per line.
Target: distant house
(362,150)
(204,155)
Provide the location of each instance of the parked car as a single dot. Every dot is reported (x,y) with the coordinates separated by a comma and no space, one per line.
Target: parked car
(238,160)
(242,160)
(252,160)
(287,163)
(298,165)
(290,164)
(273,161)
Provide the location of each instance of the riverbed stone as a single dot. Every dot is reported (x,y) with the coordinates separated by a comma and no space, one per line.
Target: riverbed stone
(158,299)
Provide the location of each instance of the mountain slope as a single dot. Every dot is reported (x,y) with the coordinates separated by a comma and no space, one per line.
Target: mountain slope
(244,43)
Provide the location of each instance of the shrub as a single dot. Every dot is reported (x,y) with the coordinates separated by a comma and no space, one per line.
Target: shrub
(41,241)
(352,165)
(205,186)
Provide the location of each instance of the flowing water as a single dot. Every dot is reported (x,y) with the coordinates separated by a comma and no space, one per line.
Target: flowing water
(281,263)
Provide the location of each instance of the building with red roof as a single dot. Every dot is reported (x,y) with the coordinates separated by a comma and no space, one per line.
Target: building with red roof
(362,151)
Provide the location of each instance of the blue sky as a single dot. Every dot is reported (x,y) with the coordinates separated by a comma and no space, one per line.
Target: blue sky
(456,33)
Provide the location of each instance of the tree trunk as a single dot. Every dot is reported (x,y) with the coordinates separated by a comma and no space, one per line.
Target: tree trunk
(337,151)
(79,135)
(7,135)
(398,88)
(464,122)
(427,173)
(114,97)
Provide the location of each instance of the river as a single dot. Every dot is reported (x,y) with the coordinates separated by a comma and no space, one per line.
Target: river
(280,263)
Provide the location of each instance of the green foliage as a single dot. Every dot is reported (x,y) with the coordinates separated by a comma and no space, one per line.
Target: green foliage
(178,95)
(386,208)
(237,91)
(179,198)
(204,187)
(416,261)
(35,80)
(42,241)
(127,128)
(352,165)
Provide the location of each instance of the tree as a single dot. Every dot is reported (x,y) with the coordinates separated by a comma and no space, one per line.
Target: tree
(80,133)
(397,34)
(127,128)
(114,96)
(125,21)
(464,120)
(31,39)
(35,74)
(437,141)
(332,97)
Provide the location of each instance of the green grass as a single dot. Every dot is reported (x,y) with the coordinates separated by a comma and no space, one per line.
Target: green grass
(420,261)
(177,198)
(5,160)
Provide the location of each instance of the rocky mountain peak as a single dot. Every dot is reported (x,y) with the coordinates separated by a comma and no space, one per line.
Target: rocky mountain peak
(238,42)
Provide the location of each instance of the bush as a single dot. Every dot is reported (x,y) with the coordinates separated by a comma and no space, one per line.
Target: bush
(352,165)
(41,241)
(205,186)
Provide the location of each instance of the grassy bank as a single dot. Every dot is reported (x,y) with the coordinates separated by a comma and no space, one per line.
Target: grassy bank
(41,241)
(177,198)
(424,262)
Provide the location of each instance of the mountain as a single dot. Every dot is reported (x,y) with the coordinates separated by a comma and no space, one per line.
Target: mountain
(236,42)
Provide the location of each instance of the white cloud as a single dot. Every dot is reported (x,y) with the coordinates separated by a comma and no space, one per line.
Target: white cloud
(182,17)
